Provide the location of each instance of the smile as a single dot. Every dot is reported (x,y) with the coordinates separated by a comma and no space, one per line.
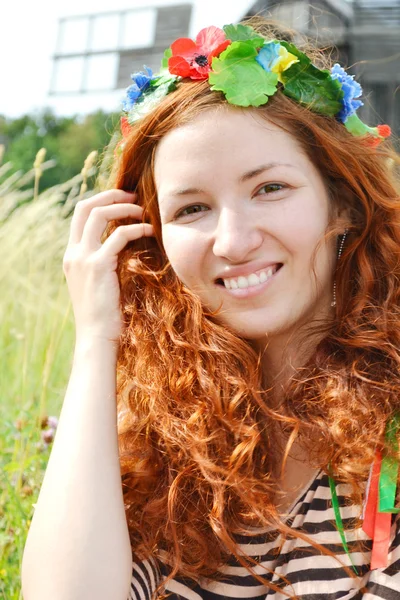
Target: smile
(245,286)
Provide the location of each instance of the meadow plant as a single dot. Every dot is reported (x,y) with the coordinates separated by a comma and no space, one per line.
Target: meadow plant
(37,165)
(36,344)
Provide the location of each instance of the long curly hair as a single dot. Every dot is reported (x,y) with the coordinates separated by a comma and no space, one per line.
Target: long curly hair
(199,441)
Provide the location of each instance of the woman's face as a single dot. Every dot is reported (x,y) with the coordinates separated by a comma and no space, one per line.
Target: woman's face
(242,210)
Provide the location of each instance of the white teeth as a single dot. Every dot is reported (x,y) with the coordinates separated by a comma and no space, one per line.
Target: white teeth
(242,282)
(253,279)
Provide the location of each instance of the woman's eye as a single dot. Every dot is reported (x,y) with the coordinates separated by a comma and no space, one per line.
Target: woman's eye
(270,188)
(191,210)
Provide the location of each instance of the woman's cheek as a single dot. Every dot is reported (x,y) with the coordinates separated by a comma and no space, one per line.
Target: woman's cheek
(183,250)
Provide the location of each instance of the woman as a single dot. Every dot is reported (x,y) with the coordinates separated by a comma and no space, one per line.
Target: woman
(253,319)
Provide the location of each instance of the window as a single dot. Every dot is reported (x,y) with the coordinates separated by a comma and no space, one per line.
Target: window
(73,35)
(68,75)
(104,32)
(98,52)
(139,28)
(101,71)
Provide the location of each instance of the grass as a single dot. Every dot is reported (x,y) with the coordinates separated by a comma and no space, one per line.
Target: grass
(36,346)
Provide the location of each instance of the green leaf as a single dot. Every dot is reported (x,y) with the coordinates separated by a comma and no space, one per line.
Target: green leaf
(313,88)
(167,55)
(238,75)
(355,126)
(303,58)
(238,33)
(164,76)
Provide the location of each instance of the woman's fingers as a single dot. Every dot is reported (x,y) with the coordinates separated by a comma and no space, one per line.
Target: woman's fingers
(84,208)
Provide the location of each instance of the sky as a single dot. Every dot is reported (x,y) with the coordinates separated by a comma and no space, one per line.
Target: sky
(28,33)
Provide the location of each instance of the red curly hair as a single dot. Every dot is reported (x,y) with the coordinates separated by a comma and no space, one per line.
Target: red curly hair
(199,442)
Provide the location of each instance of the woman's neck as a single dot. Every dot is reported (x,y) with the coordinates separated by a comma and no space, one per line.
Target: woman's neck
(282,358)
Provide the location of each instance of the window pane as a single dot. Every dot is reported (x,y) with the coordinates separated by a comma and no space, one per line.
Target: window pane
(104,33)
(68,74)
(73,36)
(139,28)
(101,72)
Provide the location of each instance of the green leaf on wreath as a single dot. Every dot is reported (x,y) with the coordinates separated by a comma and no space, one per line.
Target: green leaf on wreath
(164,77)
(313,88)
(355,126)
(167,55)
(303,58)
(238,75)
(238,33)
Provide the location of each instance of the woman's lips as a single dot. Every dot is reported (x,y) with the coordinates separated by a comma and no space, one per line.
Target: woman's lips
(252,290)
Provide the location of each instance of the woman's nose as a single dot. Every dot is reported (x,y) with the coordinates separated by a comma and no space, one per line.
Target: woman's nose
(236,236)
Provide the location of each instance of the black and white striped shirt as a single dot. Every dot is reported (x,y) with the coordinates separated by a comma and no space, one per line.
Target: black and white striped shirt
(312,575)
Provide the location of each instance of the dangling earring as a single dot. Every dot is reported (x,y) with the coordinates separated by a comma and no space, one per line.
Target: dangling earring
(333,303)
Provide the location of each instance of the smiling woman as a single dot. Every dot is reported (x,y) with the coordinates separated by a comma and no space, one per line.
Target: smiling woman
(253,368)
(259,364)
(252,372)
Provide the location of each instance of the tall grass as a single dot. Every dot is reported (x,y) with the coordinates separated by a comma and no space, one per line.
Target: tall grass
(36,346)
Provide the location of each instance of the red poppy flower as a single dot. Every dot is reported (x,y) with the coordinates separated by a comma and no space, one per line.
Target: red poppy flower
(193,59)
(125,130)
(125,127)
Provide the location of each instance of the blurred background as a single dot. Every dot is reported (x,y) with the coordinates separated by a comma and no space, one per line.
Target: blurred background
(65,66)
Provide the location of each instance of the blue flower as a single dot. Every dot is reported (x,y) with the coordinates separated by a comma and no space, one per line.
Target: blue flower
(351,90)
(268,55)
(141,82)
(274,58)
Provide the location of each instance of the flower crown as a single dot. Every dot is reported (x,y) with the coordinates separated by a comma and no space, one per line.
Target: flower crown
(248,69)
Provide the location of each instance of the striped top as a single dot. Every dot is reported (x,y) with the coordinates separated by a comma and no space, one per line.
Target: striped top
(312,576)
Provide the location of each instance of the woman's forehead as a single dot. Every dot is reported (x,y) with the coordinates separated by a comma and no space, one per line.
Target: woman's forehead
(237,139)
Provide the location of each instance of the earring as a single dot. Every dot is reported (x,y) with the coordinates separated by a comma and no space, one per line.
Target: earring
(333,303)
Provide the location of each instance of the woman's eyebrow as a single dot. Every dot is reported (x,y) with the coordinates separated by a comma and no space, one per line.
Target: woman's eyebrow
(185,191)
(258,170)
(243,178)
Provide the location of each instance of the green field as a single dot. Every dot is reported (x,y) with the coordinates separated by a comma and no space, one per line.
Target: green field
(37,339)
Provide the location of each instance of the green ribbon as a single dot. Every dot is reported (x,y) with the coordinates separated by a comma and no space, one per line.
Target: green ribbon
(387,482)
(339,522)
(390,469)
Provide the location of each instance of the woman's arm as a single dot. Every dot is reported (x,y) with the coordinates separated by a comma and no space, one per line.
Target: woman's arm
(78,543)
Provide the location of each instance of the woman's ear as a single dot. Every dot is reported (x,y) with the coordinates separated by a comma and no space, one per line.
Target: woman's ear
(342,210)
(341,202)
(343,219)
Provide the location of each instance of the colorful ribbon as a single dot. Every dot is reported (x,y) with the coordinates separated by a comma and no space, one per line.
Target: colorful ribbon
(339,522)
(381,497)
(390,469)
(380,500)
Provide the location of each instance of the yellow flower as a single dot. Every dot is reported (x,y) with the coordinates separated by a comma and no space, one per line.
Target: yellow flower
(285,60)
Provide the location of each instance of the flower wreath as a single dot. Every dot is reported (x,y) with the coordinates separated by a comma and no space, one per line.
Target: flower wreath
(247,69)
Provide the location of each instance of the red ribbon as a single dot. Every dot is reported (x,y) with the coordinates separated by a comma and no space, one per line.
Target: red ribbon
(377,525)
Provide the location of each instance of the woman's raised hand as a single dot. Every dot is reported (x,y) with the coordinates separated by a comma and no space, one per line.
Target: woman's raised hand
(90,266)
